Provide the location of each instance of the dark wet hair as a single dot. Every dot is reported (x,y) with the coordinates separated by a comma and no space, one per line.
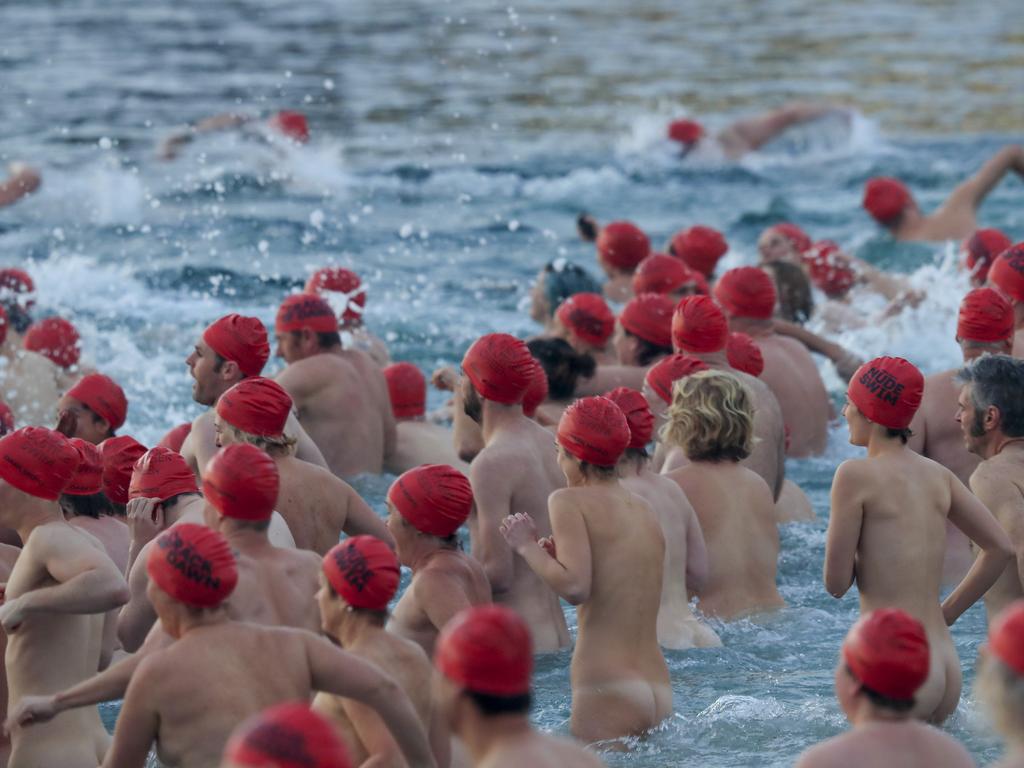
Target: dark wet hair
(95,505)
(501,705)
(997,381)
(636,454)
(880,700)
(324,339)
(647,352)
(17,315)
(793,288)
(562,279)
(903,434)
(563,365)
(594,470)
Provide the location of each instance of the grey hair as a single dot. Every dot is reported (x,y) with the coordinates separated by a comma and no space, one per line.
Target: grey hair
(997,381)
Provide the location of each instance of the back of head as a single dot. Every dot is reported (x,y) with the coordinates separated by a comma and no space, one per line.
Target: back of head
(665,373)
(305,312)
(829,269)
(886,199)
(997,381)
(38,461)
(887,391)
(435,499)
(291,124)
(242,483)
(289,735)
(193,564)
(240,339)
(56,339)
(635,408)
(407,390)
(500,368)
(711,417)
(700,247)
(588,317)
(685,132)
(561,279)
(623,245)
(981,250)
(887,652)
(746,292)
(1007,273)
(562,364)
(985,318)
(744,354)
(595,431)
(344,282)
(699,326)
(256,406)
(649,318)
(163,474)
(364,572)
(119,457)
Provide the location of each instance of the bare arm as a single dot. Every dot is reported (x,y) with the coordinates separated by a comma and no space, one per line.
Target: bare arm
(138,616)
(609,377)
(972,517)
(569,575)
(755,132)
(137,725)
(440,595)
(844,526)
(335,671)
(492,496)
(845,361)
(696,553)
(305,449)
(1004,500)
(169,147)
(440,737)
(467,437)
(22,181)
(973,191)
(360,519)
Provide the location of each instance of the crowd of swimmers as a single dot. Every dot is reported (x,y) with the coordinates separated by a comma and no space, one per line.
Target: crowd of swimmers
(243,600)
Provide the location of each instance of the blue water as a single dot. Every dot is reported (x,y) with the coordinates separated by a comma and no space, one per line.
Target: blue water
(453,144)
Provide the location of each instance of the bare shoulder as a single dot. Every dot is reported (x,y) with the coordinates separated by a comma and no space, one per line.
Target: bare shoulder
(831,753)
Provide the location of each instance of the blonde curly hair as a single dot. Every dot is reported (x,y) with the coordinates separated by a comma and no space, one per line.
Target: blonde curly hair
(711,417)
(281,445)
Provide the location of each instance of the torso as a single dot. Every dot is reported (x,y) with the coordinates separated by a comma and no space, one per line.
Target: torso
(908,744)
(539,750)
(277,588)
(30,385)
(423,442)
(312,502)
(737,516)
(112,533)
(792,376)
(8,556)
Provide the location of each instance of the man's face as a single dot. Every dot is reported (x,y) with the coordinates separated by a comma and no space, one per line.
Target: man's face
(471,401)
(85,424)
(208,382)
(292,346)
(970,419)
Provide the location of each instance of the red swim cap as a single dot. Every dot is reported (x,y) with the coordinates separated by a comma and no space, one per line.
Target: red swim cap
(6,418)
(985,316)
(4,323)
(623,245)
(829,269)
(500,368)
(257,406)
(982,248)
(486,649)
(102,395)
(88,478)
(700,247)
(649,317)
(887,651)
(119,457)
(345,282)
(433,498)
(885,198)
(667,372)
(661,273)
(291,124)
(594,430)
(699,326)
(287,736)
(744,355)
(305,310)
(537,393)
(635,408)
(38,461)
(175,438)
(746,292)
(16,286)
(887,390)
(1007,273)
(685,131)
(1006,636)
(193,564)
(587,315)
(161,474)
(799,239)
(241,482)
(364,571)
(243,340)
(54,338)
(407,388)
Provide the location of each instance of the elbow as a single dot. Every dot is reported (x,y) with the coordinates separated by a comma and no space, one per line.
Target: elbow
(836,586)
(120,595)
(576,595)
(500,579)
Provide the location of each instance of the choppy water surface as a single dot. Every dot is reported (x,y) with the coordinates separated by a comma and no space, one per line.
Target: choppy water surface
(453,144)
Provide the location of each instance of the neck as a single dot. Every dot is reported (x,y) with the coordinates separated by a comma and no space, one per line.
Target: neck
(423,550)
(355,630)
(909,219)
(497,417)
(713,359)
(1001,443)
(883,445)
(36,513)
(752,326)
(485,735)
(593,481)
(867,713)
(244,538)
(184,509)
(188,621)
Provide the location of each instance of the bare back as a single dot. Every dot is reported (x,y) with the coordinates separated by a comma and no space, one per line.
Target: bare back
(539,750)
(30,385)
(999,483)
(907,743)
(737,516)
(516,473)
(423,442)
(792,376)
(276,588)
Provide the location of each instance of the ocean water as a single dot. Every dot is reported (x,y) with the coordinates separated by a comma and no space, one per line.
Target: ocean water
(452,145)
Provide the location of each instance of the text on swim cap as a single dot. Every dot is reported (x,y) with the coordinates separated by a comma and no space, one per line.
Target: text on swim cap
(352,565)
(184,559)
(882,385)
(280,744)
(305,310)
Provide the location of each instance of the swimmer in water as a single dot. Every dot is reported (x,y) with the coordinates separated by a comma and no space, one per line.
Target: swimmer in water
(883,663)
(621,246)
(420,440)
(984,326)
(487,704)
(606,556)
(669,276)
(285,125)
(557,281)
(1007,277)
(686,556)
(274,737)
(340,402)
(980,251)
(887,526)
(355,335)
(700,330)
(999,686)
(890,203)
(229,350)
(163,495)
(711,419)
(316,505)
(991,415)
(749,134)
(700,248)
(747,296)
(515,473)
(426,507)
(586,321)
(55,601)
(358,579)
(21,180)
(177,695)
(564,368)
(57,340)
